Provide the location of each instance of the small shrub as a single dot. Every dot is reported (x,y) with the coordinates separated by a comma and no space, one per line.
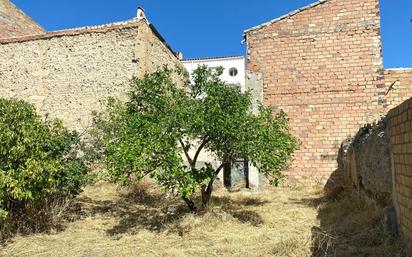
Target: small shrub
(38,159)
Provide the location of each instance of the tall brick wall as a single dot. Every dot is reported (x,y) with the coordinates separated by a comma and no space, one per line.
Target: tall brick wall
(399,86)
(323,66)
(15,23)
(400,132)
(66,74)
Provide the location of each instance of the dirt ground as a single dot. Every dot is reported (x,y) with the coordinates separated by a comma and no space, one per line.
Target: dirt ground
(297,221)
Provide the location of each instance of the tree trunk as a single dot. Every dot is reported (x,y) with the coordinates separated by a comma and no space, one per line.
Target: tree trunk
(207,193)
(207,190)
(190,203)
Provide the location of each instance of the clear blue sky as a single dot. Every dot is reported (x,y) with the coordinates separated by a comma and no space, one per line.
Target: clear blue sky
(211,27)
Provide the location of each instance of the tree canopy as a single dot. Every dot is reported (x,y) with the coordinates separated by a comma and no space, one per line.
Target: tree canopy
(162,129)
(37,157)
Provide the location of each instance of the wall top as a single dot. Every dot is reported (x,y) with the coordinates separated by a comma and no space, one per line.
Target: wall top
(285,16)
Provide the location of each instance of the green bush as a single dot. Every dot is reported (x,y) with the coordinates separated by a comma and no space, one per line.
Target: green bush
(38,159)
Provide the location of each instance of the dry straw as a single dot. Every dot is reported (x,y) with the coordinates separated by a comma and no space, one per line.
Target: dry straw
(296,221)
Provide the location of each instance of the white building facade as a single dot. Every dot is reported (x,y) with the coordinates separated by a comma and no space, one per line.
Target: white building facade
(241,173)
(234,68)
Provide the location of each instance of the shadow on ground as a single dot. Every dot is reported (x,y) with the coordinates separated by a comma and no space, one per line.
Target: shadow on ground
(40,217)
(351,225)
(146,207)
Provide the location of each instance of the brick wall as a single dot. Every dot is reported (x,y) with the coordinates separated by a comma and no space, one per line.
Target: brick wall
(15,23)
(67,74)
(400,132)
(323,66)
(399,86)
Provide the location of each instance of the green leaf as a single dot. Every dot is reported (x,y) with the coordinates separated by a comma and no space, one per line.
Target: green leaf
(37,158)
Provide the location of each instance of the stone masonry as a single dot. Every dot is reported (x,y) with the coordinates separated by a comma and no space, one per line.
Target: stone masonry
(365,165)
(323,65)
(67,74)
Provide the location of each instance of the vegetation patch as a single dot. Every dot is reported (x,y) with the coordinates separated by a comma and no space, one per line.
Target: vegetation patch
(39,167)
(141,220)
(352,226)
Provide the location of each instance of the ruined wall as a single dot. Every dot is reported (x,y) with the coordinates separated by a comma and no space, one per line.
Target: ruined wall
(323,66)
(399,86)
(67,74)
(364,164)
(400,132)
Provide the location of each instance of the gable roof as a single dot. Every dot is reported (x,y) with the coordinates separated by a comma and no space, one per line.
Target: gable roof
(14,22)
(285,16)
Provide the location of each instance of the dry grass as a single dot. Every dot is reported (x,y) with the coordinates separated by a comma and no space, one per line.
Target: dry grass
(144,222)
(141,221)
(350,226)
(38,217)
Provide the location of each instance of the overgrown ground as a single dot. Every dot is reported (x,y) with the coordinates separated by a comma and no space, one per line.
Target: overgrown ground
(294,221)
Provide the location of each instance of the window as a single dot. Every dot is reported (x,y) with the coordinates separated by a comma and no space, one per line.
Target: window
(233,72)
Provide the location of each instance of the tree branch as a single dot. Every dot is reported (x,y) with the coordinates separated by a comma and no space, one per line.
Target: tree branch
(219,169)
(202,145)
(186,153)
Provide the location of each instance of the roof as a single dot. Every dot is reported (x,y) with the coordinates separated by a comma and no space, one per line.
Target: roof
(288,15)
(14,22)
(214,58)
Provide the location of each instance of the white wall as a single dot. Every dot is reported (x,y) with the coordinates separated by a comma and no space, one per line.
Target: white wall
(227,63)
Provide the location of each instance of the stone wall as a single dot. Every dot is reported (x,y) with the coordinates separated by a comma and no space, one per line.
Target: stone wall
(400,132)
(377,162)
(67,74)
(364,164)
(323,66)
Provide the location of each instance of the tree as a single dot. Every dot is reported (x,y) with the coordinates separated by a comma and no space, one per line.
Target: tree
(37,158)
(156,130)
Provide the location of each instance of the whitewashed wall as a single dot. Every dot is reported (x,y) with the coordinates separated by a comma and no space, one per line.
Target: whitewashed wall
(237,62)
